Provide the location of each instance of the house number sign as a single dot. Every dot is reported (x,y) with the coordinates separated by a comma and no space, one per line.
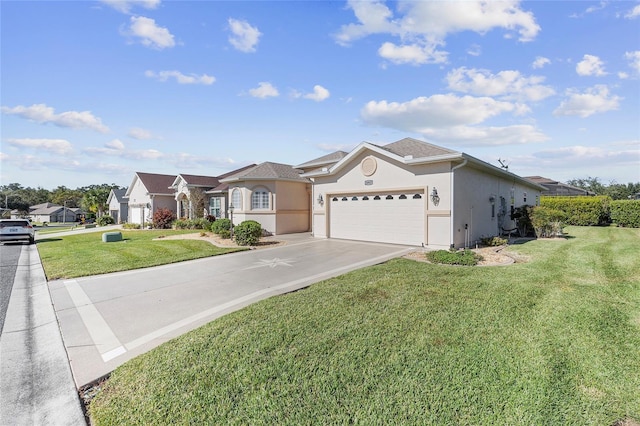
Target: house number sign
(368,182)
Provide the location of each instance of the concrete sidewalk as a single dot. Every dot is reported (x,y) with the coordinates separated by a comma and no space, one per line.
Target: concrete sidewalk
(109,319)
(36,386)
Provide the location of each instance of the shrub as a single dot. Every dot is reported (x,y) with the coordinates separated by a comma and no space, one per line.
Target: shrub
(493,241)
(105,220)
(248,233)
(522,216)
(464,257)
(221,225)
(200,223)
(626,213)
(547,222)
(163,218)
(581,211)
(130,225)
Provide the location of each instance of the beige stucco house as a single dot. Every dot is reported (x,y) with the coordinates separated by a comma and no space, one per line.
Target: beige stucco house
(273,194)
(415,193)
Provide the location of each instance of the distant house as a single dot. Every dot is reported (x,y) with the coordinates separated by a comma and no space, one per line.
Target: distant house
(49,212)
(208,191)
(554,188)
(118,205)
(147,193)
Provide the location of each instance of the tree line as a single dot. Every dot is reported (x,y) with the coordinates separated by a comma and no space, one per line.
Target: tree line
(91,198)
(617,191)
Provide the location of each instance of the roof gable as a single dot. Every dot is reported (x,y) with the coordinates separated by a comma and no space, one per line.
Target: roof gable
(154,183)
(325,160)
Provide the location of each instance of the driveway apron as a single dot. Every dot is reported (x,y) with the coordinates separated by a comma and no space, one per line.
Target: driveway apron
(109,319)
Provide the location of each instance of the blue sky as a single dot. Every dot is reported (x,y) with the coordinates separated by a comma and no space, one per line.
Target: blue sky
(92,92)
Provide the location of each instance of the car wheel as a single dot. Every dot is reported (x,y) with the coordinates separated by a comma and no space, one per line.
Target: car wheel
(32,240)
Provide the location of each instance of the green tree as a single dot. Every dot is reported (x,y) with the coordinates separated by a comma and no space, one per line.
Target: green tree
(95,197)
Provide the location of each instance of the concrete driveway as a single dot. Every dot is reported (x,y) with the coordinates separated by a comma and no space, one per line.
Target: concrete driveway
(109,319)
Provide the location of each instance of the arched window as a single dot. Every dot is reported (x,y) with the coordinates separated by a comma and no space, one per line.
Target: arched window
(236,199)
(260,199)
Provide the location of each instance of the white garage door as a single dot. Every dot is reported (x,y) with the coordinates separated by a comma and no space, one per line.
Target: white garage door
(389,218)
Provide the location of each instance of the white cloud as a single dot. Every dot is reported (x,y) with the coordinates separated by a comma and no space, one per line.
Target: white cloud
(509,85)
(42,113)
(590,65)
(243,36)
(424,25)
(474,50)
(181,78)
(264,90)
(423,114)
(57,146)
(540,62)
(116,148)
(319,94)
(594,100)
(414,54)
(633,13)
(150,34)
(140,134)
(488,136)
(634,60)
(125,6)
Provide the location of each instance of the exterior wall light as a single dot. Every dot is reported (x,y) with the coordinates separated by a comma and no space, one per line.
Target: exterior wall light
(320,199)
(435,198)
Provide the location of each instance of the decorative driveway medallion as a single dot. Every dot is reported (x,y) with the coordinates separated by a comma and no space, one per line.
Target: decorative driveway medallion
(272,263)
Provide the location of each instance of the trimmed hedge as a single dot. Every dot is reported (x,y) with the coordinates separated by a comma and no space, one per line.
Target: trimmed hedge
(547,222)
(581,211)
(626,213)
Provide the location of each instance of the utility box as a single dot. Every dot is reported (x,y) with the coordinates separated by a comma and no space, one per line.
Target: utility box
(109,237)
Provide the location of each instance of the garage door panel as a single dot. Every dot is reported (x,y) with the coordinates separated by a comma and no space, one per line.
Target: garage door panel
(379,218)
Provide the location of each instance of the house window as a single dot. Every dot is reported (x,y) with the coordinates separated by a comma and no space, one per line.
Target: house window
(236,199)
(403,197)
(260,200)
(377,197)
(417,196)
(365,198)
(215,207)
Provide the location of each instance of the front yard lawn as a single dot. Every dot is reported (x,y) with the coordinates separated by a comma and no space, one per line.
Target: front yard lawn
(552,341)
(85,254)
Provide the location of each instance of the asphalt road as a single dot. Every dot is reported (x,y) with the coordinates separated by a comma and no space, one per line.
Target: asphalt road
(9,255)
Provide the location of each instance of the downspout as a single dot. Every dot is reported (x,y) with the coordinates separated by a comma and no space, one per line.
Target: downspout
(464,163)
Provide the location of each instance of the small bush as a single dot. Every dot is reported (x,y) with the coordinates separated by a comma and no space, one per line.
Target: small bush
(220,226)
(547,222)
(465,257)
(493,241)
(163,218)
(105,220)
(130,226)
(248,233)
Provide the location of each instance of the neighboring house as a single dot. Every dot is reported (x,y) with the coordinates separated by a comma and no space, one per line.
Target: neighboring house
(273,194)
(206,191)
(414,193)
(554,188)
(118,205)
(49,212)
(147,193)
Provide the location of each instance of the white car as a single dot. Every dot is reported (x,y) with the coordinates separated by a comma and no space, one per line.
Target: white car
(16,230)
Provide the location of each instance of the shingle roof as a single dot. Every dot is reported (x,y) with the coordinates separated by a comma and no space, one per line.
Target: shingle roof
(269,170)
(119,194)
(332,158)
(208,181)
(156,183)
(416,148)
(42,206)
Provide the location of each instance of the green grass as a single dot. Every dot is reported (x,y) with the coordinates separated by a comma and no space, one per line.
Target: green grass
(85,254)
(554,341)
